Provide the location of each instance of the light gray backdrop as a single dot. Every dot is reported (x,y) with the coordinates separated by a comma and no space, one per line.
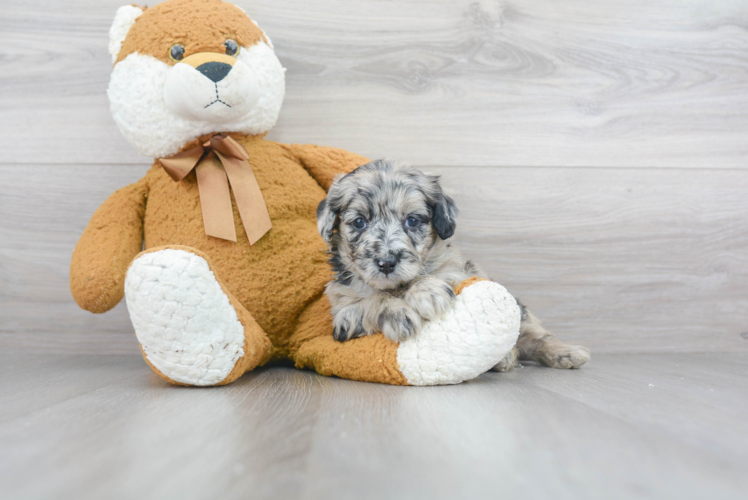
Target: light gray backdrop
(597,151)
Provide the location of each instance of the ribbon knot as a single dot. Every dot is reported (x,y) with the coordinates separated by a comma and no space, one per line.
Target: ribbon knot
(214,160)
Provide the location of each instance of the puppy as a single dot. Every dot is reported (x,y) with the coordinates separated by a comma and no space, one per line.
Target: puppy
(388,227)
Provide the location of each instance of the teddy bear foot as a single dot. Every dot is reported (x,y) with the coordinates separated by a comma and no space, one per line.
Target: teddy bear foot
(477,333)
(188,328)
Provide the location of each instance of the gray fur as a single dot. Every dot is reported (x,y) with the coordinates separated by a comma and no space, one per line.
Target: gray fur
(365,299)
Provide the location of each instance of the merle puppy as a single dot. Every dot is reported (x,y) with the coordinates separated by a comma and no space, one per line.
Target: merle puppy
(388,227)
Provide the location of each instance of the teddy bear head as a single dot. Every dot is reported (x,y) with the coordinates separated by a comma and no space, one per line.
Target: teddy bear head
(188,68)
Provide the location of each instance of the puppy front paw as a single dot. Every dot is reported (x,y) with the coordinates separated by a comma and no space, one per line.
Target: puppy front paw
(347,323)
(398,321)
(430,297)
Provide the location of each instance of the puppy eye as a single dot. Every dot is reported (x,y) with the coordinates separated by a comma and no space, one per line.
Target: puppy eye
(176,52)
(412,221)
(232,48)
(359,223)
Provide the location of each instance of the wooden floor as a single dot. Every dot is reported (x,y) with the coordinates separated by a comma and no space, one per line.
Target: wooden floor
(625,426)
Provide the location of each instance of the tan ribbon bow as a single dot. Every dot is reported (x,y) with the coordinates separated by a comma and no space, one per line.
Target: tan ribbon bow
(216,158)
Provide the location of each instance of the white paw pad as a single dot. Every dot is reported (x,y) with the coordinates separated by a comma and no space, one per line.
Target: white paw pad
(184,321)
(471,338)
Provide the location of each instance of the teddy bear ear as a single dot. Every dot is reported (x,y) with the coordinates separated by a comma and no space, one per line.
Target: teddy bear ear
(267,38)
(123,21)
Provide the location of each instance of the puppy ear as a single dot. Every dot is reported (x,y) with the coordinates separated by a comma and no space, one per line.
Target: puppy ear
(123,21)
(445,211)
(327,220)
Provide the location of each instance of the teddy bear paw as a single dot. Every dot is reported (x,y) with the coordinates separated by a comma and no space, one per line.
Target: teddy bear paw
(473,336)
(187,328)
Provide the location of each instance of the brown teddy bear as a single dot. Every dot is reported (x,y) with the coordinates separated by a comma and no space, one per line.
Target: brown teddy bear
(216,249)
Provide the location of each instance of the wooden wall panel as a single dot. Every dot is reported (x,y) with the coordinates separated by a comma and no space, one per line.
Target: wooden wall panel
(597,150)
(622,260)
(44,210)
(617,259)
(444,82)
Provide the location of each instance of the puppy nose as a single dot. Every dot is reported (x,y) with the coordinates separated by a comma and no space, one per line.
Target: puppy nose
(386,266)
(216,71)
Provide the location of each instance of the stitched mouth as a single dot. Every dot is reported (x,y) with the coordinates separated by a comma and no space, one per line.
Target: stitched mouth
(218,99)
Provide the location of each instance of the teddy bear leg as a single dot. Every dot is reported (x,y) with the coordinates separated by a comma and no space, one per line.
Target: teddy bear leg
(480,329)
(191,330)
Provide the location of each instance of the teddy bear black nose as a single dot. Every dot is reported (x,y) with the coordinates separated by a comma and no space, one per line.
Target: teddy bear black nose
(216,71)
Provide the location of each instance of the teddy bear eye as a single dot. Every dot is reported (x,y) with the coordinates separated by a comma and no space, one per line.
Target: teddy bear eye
(232,48)
(176,52)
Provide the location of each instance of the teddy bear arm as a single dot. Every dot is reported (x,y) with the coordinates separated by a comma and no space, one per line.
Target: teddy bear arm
(473,336)
(369,359)
(113,237)
(324,163)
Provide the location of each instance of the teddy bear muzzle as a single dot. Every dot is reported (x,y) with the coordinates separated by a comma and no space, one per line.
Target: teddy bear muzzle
(211,87)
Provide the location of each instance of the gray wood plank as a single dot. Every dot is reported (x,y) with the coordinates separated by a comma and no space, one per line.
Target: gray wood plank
(692,397)
(502,437)
(44,211)
(34,382)
(620,260)
(446,82)
(283,433)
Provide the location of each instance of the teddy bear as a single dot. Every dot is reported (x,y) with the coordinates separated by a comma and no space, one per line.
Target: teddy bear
(216,249)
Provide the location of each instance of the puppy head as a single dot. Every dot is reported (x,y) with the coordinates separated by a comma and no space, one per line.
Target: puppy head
(382,220)
(187,68)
